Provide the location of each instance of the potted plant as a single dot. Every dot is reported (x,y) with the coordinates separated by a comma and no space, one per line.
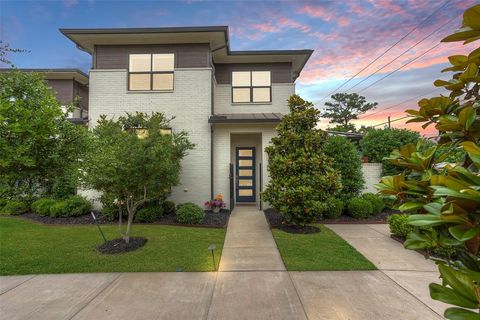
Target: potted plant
(216,204)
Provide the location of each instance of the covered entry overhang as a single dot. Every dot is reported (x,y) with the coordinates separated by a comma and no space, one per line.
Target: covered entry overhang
(239,163)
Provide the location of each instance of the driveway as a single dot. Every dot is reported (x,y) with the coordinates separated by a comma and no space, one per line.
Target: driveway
(252,284)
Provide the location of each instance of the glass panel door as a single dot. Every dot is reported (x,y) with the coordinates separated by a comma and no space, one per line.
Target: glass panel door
(245,172)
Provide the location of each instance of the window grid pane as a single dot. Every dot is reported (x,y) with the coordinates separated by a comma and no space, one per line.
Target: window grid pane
(139,81)
(261,94)
(241,78)
(140,63)
(163,62)
(260,78)
(241,95)
(162,81)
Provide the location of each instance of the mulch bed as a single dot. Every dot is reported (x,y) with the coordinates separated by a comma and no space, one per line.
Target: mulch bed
(120,246)
(213,220)
(299,229)
(275,219)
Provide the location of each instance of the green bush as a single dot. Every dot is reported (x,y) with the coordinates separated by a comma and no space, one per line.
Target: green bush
(149,214)
(359,208)
(3,202)
(14,208)
(334,208)
(64,186)
(399,225)
(168,207)
(346,160)
(189,213)
(376,202)
(71,207)
(42,206)
(379,143)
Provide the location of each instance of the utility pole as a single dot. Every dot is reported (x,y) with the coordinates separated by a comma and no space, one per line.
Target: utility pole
(389,122)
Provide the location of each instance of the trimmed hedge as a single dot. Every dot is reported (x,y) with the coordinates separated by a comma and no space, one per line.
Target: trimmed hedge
(73,206)
(334,208)
(359,208)
(13,208)
(149,214)
(168,207)
(399,226)
(42,206)
(189,213)
(376,202)
(346,160)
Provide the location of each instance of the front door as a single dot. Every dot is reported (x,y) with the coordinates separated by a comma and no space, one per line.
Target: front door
(245,184)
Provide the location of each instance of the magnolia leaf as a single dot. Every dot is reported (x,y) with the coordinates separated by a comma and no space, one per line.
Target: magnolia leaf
(441,83)
(463,283)
(444,191)
(466,117)
(460,314)
(471,17)
(433,208)
(470,73)
(448,295)
(416,241)
(464,233)
(422,220)
(462,35)
(458,60)
(408,206)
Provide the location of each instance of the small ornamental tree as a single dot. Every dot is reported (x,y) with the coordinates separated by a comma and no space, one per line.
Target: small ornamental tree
(346,159)
(38,145)
(135,160)
(444,198)
(302,177)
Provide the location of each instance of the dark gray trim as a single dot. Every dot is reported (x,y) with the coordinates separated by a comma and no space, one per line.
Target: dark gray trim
(78,120)
(44,70)
(211,161)
(246,118)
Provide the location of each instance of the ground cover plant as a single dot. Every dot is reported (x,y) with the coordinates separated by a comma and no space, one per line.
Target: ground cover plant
(444,198)
(70,249)
(318,252)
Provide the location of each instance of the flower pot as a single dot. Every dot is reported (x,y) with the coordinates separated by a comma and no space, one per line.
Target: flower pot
(216,210)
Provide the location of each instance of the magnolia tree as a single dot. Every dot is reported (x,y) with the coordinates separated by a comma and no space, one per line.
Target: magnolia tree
(302,177)
(135,160)
(38,145)
(443,197)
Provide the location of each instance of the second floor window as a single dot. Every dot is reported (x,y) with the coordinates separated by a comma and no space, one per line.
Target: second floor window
(151,72)
(251,86)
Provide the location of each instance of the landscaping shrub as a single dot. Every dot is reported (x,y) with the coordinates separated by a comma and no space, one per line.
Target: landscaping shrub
(3,202)
(189,213)
(64,186)
(379,143)
(168,207)
(347,161)
(72,207)
(359,208)
(42,206)
(399,225)
(334,208)
(376,202)
(14,208)
(149,214)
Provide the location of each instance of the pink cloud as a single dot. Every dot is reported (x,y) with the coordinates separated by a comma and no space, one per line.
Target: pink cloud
(266,27)
(317,12)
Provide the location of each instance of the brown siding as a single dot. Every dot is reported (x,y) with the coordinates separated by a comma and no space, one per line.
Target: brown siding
(63,90)
(83,93)
(186,55)
(281,72)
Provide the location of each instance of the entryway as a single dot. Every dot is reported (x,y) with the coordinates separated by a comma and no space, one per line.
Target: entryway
(245,183)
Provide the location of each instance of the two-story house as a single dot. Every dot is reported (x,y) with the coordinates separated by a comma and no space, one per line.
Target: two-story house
(228,101)
(70,86)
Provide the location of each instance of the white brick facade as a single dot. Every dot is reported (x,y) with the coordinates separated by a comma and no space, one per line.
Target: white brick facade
(372,173)
(189,102)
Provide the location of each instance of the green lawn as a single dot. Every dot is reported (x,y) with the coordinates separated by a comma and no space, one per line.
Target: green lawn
(318,252)
(28,248)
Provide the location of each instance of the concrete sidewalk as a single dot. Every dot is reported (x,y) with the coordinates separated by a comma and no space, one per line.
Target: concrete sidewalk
(250,285)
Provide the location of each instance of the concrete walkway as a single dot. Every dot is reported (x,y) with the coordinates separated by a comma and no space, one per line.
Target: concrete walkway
(252,284)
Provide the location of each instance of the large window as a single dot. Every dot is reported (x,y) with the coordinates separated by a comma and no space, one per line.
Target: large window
(251,86)
(151,72)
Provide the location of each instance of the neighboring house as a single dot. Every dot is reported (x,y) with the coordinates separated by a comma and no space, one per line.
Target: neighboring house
(67,85)
(228,101)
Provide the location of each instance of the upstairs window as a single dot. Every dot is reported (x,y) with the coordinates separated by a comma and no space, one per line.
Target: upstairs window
(151,72)
(251,86)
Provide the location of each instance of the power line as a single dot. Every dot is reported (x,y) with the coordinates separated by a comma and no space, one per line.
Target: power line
(385,52)
(390,121)
(404,52)
(395,105)
(401,67)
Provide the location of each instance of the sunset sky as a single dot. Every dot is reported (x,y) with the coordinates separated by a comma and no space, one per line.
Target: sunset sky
(346,36)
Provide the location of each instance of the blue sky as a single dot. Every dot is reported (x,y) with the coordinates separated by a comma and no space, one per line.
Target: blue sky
(346,36)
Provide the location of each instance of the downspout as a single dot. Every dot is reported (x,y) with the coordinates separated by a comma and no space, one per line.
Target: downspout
(212,112)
